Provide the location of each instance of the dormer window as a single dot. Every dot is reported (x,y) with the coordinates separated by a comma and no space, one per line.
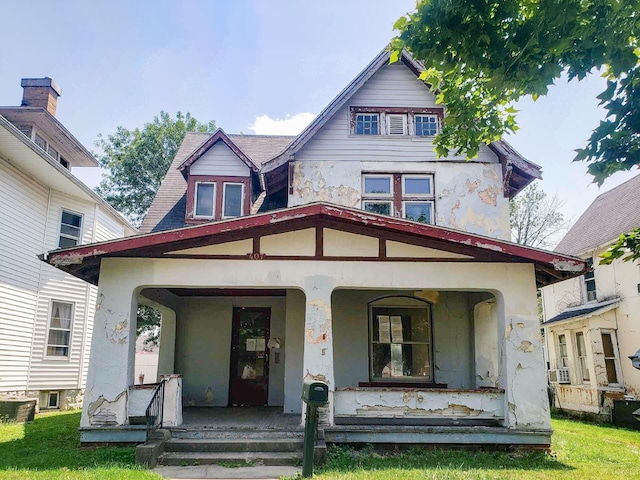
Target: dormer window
(232,200)
(205,201)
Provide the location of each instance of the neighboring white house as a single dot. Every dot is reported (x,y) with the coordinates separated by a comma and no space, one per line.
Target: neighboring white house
(46,315)
(349,254)
(592,322)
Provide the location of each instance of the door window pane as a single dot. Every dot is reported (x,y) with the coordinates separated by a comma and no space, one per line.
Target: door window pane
(232,200)
(205,193)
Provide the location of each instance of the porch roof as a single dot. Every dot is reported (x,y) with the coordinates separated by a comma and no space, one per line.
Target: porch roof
(84,261)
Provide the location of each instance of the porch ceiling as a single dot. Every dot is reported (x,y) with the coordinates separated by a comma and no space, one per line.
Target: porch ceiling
(382,235)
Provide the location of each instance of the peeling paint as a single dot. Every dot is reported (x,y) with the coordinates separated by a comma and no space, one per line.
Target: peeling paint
(103,412)
(62,259)
(471,187)
(526,346)
(508,330)
(567,265)
(489,195)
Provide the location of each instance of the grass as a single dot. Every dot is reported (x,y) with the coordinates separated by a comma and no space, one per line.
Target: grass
(49,449)
(579,451)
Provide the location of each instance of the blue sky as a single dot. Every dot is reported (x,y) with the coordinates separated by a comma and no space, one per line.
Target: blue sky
(246,64)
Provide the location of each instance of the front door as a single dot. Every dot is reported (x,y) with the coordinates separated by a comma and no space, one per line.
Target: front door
(249,378)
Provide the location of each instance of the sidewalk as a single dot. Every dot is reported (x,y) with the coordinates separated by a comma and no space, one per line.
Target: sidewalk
(218,472)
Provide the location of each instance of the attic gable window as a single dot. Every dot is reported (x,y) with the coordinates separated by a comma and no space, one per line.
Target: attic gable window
(367,124)
(396,121)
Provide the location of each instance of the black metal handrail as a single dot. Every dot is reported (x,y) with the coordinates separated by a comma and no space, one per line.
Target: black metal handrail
(153,413)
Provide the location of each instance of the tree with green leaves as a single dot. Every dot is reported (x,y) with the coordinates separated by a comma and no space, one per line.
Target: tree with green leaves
(137,160)
(481,56)
(536,219)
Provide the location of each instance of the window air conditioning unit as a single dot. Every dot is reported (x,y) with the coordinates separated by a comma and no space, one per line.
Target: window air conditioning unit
(560,375)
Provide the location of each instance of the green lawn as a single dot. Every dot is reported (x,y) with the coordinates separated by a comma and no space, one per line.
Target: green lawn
(580,451)
(49,449)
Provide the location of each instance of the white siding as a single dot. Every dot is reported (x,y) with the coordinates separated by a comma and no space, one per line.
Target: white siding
(107,227)
(221,161)
(63,372)
(23,207)
(393,86)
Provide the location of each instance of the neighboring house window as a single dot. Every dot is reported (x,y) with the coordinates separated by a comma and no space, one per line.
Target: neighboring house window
(610,348)
(563,357)
(415,122)
(426,125)
(205,199)
(583,366)
(52,152)
(232,201)
(590,282)
(53,400)
(41,142)
(413,200)
(70,229)
(367,124)
(64,163)
(400,348)
(59,335)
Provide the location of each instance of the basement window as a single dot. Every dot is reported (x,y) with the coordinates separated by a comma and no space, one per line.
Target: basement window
(400,340)
(59,335)
(53,400)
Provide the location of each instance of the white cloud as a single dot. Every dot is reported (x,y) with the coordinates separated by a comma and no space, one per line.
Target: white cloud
(289,125)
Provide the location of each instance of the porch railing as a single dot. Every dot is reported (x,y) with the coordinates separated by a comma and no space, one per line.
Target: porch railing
(154,411)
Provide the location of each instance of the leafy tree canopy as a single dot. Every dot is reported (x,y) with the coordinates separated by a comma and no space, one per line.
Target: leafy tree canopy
(137,160)
(536,219)
(483,55)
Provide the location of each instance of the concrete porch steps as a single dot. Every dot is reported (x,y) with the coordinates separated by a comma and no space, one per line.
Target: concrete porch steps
(240,445)
(244,433)
(233,458)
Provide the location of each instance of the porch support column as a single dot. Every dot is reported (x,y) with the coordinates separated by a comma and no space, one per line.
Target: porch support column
(111,368)
(318,339)
(522,367)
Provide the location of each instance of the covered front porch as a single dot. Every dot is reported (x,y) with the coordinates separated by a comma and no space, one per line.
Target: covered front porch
(419,331)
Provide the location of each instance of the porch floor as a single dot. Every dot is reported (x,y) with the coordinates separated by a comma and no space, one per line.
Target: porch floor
(239,418)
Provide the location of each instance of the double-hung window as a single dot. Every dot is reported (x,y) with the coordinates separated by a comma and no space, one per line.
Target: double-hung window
(400,342)
(417,198)
(59,335)
(583,365)
(70,229)
(377,194)
(610,348)
(367,124)
(590,282)
(205,200)
(233,198)
(563,357)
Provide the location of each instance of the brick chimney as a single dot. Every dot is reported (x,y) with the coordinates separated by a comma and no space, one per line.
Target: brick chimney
(40,92)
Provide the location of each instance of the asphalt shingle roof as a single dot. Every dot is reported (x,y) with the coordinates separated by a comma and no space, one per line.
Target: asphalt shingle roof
(167,210)
(581,312)
(611,214)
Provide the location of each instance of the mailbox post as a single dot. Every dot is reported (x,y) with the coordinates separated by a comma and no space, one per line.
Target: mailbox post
(315,394)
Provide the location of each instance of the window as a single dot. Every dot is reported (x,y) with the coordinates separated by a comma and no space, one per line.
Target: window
(563,357)
(70,229)
(64,163)
(590,282)
(426,125)
(583,366)
(609,345)
(41,142)
(414,201)
(53,400)
(59,336)
(398,121)
(52,152)
(205,199)
(233,200)
(400,348)
(367,124)
(396,124)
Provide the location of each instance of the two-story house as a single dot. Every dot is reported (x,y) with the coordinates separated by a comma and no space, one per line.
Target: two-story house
(591,322)
(349,254)
(46,315)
